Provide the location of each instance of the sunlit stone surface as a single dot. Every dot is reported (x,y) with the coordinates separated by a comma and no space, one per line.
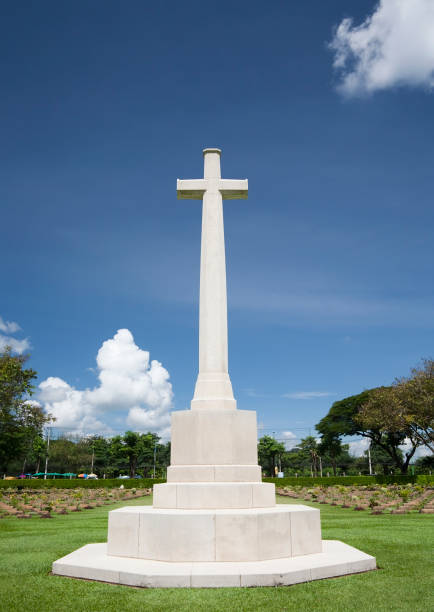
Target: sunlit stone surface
(214,523)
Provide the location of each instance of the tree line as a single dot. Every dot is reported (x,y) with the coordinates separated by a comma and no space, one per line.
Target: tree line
(131,454)
(392,418)
(25,449)
(313,457)
(401,415)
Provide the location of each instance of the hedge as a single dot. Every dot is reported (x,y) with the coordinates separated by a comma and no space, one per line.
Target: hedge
(306,481)
(73,483)
(130,483)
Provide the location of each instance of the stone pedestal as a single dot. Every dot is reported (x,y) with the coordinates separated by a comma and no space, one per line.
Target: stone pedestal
(213,438)
(214,523)
(93,563)
(253,534)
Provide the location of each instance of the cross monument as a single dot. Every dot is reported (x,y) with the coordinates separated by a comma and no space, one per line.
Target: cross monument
(214,523)
(213,387)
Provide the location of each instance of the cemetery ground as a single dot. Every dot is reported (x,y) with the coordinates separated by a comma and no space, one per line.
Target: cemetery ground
(402,543)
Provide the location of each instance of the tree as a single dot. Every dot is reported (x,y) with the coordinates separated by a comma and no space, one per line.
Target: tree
(20,419)
(39,450)
(380,460)
(345,461)
(407,406)
(163,459)
(331,449)
(140,449)
(417,400)
(342,420)
(100,450)
(269,450)
(309,447)
(117,459)
(150,449)
(70,455)
(297,461)
(424,464)
(131,453)
(132,447)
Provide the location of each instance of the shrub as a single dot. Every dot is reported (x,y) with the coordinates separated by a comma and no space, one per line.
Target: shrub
(327,481)
(74,483)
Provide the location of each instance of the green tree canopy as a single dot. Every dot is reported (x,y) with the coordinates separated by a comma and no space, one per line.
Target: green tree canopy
(407,406)
(331,449)
(269,452)
(343,420)
(20,419)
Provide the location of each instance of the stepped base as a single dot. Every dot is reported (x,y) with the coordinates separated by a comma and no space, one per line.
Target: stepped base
(246,534)
(93,563)
(207,495)
(214,437)
(214,473)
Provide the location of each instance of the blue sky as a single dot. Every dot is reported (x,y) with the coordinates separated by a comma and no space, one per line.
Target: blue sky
(329,261)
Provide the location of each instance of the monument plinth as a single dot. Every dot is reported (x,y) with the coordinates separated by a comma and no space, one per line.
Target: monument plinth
(214,523)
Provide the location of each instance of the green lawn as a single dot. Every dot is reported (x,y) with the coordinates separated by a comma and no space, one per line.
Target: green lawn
(402,544)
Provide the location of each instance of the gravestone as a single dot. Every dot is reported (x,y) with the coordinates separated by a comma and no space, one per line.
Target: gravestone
(214,522)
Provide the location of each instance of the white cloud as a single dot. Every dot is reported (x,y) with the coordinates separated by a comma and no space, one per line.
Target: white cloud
(150,420)
(17,346)
(253,393)
(289,439)
(421,451)
(288,435)
(10,327)
(128,383)
(307,395)
(358,447)
(393,47)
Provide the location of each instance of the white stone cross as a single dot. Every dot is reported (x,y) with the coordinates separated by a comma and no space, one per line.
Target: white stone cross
(213,387)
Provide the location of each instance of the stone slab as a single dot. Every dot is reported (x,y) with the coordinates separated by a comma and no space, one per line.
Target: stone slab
(206,495)
(236,534)
(93,563)
(214,473)
(210,437)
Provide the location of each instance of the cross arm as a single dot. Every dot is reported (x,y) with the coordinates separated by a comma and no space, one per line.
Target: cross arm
(233,189)
(191,189)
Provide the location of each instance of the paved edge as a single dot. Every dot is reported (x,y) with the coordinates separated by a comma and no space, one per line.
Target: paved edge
(91,562)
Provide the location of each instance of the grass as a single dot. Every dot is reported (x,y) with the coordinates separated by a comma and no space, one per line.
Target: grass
(402,544)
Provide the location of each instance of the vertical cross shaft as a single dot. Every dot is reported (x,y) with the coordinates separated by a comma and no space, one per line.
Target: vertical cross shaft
(213,387)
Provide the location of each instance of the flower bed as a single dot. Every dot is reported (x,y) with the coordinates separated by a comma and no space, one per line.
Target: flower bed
(394,499)
(47,503)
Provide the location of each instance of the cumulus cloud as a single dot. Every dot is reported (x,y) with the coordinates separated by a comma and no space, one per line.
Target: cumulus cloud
(129,383)
(10,327)
(394,46)
(307,395)
(149,420)
(289,439)
(17,346)
(421,451)
(358,447)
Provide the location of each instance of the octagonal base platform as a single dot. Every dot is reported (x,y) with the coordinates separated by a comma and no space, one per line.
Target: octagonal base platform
(93,563)
(232,535)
